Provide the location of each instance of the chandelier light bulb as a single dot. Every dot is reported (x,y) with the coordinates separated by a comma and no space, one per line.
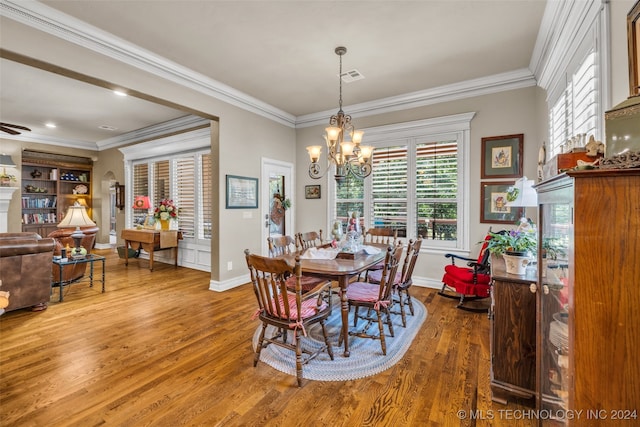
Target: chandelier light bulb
(314,152)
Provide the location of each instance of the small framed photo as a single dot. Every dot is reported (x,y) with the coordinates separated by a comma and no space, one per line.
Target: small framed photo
(494,209)
(311,191)
(149,222)
(502,156)
(242,192)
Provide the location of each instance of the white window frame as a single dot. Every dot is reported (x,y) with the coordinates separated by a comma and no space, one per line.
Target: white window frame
(457,126)
(585,31)
(188,144)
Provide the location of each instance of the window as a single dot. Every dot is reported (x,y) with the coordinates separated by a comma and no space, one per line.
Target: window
(155,169)
(177,179)
(437,190)
(417,183)
(575,112)
(204,190)
(573,68)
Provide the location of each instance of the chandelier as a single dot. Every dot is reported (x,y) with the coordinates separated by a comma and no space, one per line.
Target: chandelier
(343,144)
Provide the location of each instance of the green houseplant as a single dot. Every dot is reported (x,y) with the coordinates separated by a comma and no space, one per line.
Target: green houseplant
(513,242)
(552,247)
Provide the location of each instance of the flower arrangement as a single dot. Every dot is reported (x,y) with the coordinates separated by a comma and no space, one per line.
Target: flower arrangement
(7,179)
(521,240)
(166,210)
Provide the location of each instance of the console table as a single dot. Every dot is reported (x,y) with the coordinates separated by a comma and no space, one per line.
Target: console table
(151,241)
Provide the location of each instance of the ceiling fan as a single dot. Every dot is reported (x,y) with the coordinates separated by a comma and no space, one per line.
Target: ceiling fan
(6,127)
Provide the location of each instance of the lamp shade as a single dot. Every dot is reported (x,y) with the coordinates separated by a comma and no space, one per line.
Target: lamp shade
(76,217)
(524,192)
(141,202)
(6,160)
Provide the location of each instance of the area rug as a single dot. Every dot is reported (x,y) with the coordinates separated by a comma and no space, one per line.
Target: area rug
(366,354)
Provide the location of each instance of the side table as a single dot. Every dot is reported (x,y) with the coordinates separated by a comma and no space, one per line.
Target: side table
(151,241)
(88,259)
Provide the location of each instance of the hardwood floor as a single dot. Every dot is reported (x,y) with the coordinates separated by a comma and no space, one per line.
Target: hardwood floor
(158,348)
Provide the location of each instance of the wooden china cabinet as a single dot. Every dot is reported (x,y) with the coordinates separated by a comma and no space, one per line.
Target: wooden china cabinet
(588,299)
(513,334)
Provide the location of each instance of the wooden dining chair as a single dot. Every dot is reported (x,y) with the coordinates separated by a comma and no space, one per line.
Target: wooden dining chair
(281,245)
(308,240)
(386,236)
(285,245)
(403,279)
(286,310)
(376,298)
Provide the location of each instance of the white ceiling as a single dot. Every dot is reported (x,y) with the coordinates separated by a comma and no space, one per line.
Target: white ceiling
(281,53)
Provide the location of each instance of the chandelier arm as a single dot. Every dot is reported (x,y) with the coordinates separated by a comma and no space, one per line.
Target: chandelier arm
(359,170)
(315,172)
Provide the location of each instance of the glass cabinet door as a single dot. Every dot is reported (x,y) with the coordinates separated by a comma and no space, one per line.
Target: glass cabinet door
(556,243)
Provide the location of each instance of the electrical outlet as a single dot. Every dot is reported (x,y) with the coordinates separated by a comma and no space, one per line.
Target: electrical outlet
(229,266)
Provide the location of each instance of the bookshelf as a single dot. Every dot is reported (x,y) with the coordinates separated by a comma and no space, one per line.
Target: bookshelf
(50,184)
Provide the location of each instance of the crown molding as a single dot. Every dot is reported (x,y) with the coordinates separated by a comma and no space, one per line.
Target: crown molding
(481,86)
(58,142)
(63,26)
(564,26)
(58,24)
(178,125)
(189,141)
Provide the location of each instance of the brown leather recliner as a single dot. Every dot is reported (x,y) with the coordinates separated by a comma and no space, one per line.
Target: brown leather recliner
(25,269)
(63,238)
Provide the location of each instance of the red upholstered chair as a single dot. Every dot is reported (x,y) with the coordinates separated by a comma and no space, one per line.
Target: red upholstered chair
(470,282)
(287,310)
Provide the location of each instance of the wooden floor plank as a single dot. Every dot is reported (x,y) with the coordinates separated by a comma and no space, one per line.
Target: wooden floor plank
(159,348)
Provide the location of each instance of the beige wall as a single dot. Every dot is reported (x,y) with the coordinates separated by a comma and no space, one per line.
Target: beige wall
(244,138)
(504,113)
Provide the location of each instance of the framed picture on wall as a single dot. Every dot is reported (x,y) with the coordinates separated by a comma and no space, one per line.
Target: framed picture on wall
(502,156)
(311,191)
(242,192)
(493,208)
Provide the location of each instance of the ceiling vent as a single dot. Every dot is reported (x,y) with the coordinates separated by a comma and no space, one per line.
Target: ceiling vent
(351,76)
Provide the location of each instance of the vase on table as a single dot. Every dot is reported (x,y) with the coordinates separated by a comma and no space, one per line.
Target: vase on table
(516,262)
(164,224)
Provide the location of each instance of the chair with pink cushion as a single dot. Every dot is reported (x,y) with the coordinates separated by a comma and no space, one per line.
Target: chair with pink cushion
(403,279)
(376,298)
(287,310)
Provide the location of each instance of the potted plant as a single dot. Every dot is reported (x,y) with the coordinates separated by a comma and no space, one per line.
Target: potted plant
(517,247)
(513,242)
(552,247)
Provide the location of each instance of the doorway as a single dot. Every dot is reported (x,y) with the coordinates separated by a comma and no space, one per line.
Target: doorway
(277,192)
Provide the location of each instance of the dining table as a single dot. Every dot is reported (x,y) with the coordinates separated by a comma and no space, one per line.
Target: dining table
(342,269)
